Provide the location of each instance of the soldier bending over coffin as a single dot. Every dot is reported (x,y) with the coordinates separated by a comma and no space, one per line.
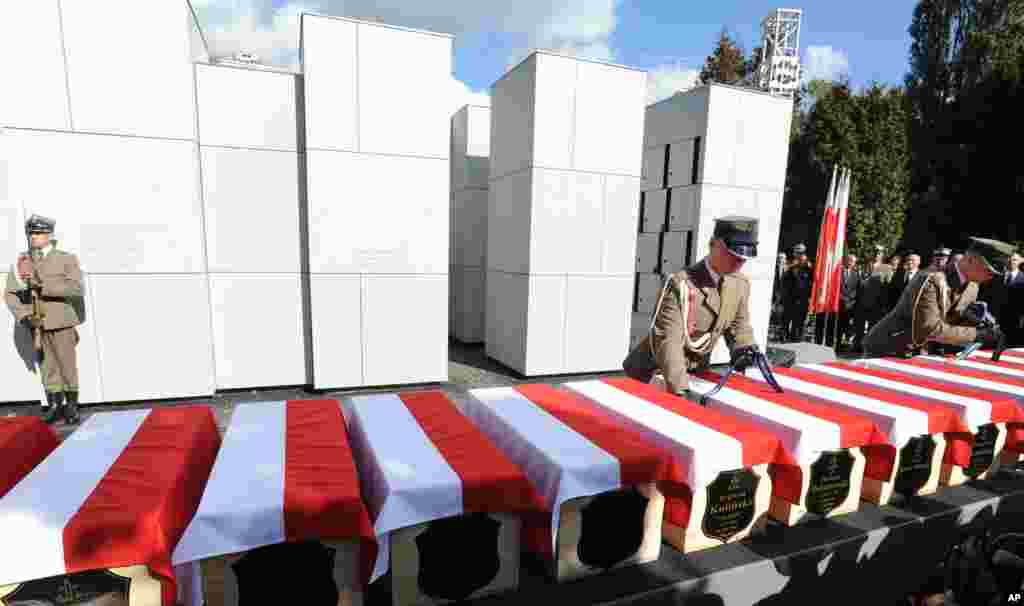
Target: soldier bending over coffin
(698,306)
(930,312)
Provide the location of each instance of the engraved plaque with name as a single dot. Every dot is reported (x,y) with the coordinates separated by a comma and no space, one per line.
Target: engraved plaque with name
(730,504)
(72,590)
(915,465)
(829,485)
(984,451)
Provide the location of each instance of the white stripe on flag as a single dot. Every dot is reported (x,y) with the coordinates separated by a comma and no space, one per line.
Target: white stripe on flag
(987,355)
(804,436)
(405,479)
(243,504)
(906,422)
(709,452)
(1002,370)
(560,463)
(974,412)
(34,513)
(952,377)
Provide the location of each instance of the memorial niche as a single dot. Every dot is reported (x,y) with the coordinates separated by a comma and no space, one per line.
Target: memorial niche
(612,528)
(730,504)
(96,587)
(829,484)
(474,537)
(983,452)
(286,572)
(915,465)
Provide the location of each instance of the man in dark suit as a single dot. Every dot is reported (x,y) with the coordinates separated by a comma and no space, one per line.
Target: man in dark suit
(848,292)
(1011,311)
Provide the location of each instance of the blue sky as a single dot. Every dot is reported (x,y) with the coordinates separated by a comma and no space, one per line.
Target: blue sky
(868,39)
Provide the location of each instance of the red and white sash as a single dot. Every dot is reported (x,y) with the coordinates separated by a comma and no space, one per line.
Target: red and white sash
(119,491)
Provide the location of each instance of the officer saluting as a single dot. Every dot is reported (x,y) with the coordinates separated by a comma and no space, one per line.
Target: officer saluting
(930,311)
(699,305)
(43,292)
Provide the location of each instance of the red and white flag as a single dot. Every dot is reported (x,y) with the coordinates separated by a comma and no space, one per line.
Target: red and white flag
(24,443)
(568,449)
(949,372)
(118,492)
(703,442)
(284,473)
(1012,356)
(831,244)
(805,427)
(421,460)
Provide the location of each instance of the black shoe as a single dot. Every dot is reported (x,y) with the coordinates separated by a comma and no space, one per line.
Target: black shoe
(54,404)
(71,408)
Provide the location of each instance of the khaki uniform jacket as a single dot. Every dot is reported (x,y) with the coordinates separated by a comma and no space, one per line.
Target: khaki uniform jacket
(61,295)
(929,310)
(720,311)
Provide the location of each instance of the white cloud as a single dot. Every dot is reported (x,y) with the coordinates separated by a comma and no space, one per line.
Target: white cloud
(666,80)
(824,63)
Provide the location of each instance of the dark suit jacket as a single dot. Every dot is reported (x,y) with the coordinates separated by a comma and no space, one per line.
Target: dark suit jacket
(850,288)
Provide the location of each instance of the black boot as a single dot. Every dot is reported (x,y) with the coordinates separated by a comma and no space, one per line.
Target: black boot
(71,408)
(54,404)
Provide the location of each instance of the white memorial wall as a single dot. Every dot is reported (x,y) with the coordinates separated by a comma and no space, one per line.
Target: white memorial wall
(741,162)
(471,133)
(566,139)
(377,139)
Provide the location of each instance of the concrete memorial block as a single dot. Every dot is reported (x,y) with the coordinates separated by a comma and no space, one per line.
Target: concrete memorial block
(471,147)
(252,108)
(648,291)
(90,487)
(683,160)
(910,463)
(432,481)
(598,481)
(648,253)
(33,29)
(655,203)
(654,167)
(682,214)
(675,251)
(986,414)
(143,94)
(823,445)
(726,461)
(303,529)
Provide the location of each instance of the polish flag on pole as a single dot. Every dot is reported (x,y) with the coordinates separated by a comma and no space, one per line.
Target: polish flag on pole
(831,245)
(838,242)
(821,260)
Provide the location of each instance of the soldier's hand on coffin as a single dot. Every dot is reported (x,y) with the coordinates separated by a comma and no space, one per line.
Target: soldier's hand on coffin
(990,335)
(743,357)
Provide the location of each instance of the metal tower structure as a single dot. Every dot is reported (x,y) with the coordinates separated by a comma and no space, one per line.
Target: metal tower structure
(779,72)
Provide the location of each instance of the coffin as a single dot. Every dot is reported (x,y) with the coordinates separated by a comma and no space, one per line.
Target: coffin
(95,522)
(599,481)
(824,469)
(24,443)
(446,505)
(282,504)
(725,460)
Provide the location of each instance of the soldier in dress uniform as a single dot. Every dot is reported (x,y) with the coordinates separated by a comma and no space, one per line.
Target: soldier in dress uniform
(698,306)
(930,310)
(55,278)
(797,286)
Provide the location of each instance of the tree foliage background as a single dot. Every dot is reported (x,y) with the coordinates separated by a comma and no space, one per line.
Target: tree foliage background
(934,161)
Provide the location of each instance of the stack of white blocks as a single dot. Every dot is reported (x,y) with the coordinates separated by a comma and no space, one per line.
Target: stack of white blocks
(741,171)
(562,217)
(104,140)
(251,152)
(377,140)
(471,132)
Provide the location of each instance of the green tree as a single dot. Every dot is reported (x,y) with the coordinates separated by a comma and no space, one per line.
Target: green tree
(727,64)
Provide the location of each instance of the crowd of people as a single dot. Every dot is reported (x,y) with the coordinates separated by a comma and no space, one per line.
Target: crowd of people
(872,289)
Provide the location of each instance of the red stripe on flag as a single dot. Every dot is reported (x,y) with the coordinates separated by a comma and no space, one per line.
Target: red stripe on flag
(1006,354)
(854,430)
(24,443)
(993,376)
(1000,364)
(490,481)
(321,485)
(141,507)
(640,462)
(759,446)
(941,419)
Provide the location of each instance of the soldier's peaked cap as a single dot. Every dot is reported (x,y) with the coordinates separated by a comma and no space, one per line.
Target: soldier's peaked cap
(993,252)
(38,224)
(942,252)
(739,234)
(800,248)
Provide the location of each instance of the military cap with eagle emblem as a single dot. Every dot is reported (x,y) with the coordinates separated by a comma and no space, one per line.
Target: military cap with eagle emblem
(739,235)
(38,224)
(992,252)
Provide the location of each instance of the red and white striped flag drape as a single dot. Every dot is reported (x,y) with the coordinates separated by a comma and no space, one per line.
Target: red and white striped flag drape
(831,245)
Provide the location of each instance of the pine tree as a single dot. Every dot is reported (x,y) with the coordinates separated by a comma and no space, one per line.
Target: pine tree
(727,64)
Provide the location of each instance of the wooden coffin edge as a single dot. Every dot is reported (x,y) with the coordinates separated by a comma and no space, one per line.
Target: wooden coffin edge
(405,589)
(791,514)
(567,565)
(692,538)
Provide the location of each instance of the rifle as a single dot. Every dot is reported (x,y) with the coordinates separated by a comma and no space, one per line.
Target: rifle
(38,311)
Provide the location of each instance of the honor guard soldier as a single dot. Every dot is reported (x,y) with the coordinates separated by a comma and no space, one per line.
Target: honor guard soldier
(44,292)
(696,307)
(940,258)
(930,311)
